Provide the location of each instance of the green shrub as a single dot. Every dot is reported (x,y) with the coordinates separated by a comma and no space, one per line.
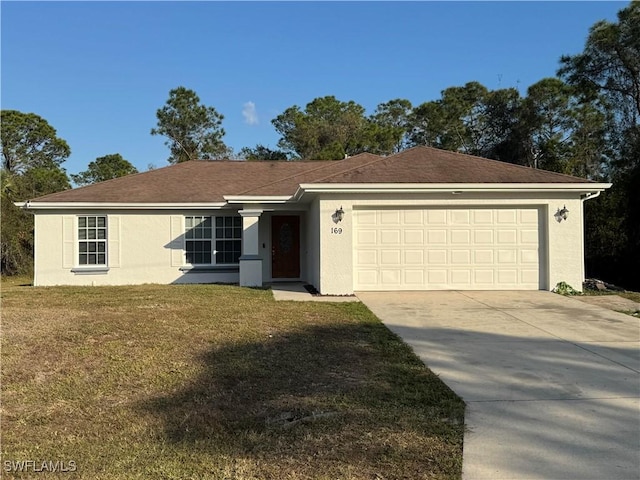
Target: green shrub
(563,288)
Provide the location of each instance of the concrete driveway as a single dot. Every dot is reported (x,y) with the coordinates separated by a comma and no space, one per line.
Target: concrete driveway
(552,384)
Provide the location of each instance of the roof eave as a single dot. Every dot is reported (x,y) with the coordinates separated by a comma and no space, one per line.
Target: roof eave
(448,187)
(29,205)
(257,199)
(305,188)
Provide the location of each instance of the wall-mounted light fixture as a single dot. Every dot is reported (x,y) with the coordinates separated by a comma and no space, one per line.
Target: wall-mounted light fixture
(338,215)
(562,214)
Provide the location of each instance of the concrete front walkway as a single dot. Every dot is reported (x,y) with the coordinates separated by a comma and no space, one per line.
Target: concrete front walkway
(552,384)
(295,292)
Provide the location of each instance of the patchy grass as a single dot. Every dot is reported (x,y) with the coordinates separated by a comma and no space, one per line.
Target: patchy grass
(635,296)
(216,382)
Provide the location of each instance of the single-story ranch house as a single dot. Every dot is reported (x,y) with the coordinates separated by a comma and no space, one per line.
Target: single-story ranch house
(423,219)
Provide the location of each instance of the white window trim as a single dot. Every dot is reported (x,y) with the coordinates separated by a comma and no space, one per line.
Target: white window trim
(90,269)
(96,267)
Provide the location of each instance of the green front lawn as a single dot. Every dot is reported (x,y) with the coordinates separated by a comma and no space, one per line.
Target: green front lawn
(218,382)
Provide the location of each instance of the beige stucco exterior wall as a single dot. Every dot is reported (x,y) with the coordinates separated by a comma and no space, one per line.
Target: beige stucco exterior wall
(141,250)
(336,247)
(566,244)
(561,244)
(313,244)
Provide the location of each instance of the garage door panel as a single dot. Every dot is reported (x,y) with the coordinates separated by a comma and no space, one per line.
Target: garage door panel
(529,257)
(414,277)
(367,278)
(413,217)
(423,249)
(529,217)
(507,256)
(507,216)
(507,237)
(367,258)
(390,257)
(529,276)
(484,277)
(436,217)
(389,217)
(414,257)
(390,237)
(367,237)
(485,257)
(507,276)
(390,277)
(367,217)
(460,217)
(483,237)
(529,236)
(461,257)
(437,277)
(436,237)
(437,257)
(483,217)
(413,237)
(460,278)
(460,237)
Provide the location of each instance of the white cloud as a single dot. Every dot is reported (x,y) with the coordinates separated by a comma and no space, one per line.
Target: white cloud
(250,114)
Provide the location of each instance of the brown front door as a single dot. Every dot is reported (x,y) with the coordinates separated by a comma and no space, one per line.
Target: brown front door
(285,246)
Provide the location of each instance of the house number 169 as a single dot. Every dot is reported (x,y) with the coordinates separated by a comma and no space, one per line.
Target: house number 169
(336,230)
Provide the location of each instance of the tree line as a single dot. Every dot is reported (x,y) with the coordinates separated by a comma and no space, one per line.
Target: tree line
(583,122)
(550,128)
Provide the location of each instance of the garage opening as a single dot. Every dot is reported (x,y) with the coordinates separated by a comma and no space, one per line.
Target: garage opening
(448,249)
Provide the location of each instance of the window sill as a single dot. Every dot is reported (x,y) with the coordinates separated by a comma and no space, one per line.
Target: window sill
(97,270)
(210,269)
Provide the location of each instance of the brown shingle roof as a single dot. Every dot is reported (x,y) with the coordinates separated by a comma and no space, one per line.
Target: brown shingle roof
(194,181)
(432,165)
(210,181)
(329,168)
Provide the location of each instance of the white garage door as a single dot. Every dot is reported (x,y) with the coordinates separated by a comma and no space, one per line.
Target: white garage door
(446,249)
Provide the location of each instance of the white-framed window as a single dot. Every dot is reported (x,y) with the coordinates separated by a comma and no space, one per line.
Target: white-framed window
(213,240)
(198,237)
(92,240)
(228,240)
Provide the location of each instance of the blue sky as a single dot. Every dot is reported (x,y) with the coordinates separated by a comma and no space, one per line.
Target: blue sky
(98,71)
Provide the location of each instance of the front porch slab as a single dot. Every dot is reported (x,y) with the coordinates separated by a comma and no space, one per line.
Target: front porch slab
(295,291)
